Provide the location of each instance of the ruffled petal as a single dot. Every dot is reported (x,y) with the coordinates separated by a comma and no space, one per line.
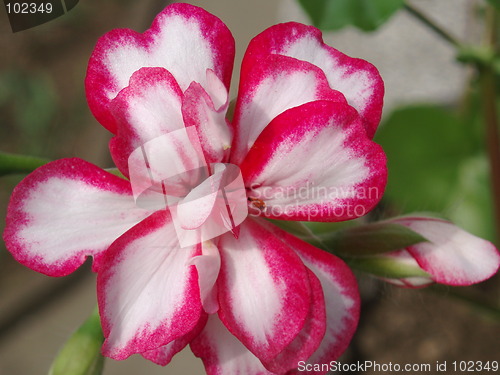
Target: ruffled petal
(149,107)
(269,87)
(66,210)
(315,163)
(208,267)
(357,79)
(184,39)
(452,256)
(311,336)
(163,355)
(341,295)
(148,293)
(200,110)
(264,290)
(223,354)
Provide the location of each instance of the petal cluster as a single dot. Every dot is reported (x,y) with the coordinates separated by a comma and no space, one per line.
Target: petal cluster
(252,300)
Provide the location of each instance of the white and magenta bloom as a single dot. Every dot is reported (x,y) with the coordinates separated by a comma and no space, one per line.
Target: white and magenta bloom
(178,260)
(450,256)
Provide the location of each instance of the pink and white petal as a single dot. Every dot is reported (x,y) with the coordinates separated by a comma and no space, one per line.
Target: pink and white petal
(163,355)
(147,292)
(264,290)
(452,256)
(357,79)
(184,39)
(150,106)
(65,211)
(217,91)
(208,267)
(224,354)
(341,295)
(315,162)
(311,336)
(199,111)
(269,87)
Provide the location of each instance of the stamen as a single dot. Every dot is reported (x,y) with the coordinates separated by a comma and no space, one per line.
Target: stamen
(259,203)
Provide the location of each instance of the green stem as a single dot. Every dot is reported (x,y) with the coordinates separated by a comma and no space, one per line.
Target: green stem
(492,140)
(489,96)
(432,25)
(12,163)
(385,267)
(479,304)
(81,353)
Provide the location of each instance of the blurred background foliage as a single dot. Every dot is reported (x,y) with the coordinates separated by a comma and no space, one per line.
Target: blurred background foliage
(442,167)
(367,15)
(28,104)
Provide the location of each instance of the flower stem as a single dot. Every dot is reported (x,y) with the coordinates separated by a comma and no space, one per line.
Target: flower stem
(492,141)
(12,163)
(489,96)
(444,34)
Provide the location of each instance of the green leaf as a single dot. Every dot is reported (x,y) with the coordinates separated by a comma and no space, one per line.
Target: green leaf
(495,3)
(371,239)
(301,230)
(386,267)
(12,163)
(472,206)
(425,146)
(81,353)
(319,228)
(367,15)
(297,228)
(116,172)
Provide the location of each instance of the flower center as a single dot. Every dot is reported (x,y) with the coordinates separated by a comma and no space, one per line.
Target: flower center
(204,200)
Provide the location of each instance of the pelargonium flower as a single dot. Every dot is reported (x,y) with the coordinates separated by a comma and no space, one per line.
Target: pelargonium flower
(254,299)
(451,256)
